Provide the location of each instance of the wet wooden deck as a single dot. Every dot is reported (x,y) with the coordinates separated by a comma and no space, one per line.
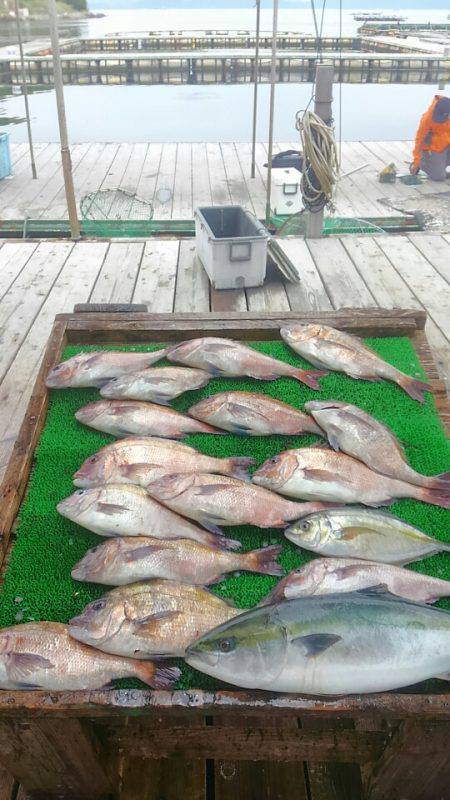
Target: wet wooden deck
(195,174)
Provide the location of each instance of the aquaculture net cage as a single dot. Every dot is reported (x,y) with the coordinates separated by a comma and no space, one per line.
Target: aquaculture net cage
(115,204)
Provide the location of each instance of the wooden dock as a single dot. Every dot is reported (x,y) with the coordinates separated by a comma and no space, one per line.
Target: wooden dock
(40,279)
(196,174)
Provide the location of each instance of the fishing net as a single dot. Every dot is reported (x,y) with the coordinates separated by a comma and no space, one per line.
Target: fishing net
(115,204)
(296,226)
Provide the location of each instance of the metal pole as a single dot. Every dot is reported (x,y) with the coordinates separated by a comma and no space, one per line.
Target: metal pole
(65,151)
(322,106)
(273,77)
(255,87)
(25,90)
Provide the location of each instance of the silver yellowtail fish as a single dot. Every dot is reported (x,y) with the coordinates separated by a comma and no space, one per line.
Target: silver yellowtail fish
(126,510)
(135,418)
(316,473)
(360,435)
(331,575)
(129,559)
(328,348)
(99,367)
(330,645)
(252,414)
(158,385)
(231,359)
(149,619)
(214,500)
(42,655)
(142,460)
(360,533)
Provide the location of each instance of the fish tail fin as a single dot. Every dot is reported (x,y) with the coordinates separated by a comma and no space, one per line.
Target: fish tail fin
(415,389)
(238,467)
(439,497)
(441,481)
(203,427)
(309,377)
(274,596)
(264,560)
(157,677)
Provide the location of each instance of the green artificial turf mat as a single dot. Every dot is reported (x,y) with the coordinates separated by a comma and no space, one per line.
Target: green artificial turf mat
(37,582)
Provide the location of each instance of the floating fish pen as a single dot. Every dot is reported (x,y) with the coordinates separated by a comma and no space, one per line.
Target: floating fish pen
(209,41)
(68,740)
(225,68)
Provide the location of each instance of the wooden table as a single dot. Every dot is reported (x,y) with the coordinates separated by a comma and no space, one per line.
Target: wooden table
(246,744)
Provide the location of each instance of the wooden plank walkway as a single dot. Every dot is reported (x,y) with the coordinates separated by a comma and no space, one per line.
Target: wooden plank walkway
(39,280)
(194,174)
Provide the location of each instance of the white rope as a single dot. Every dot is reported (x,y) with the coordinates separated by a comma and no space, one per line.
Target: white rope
(321,163)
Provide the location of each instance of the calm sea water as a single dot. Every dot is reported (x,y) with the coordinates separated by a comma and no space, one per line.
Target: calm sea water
(209,113)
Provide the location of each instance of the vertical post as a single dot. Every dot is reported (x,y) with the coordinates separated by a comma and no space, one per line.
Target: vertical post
(65,151)
(255,87)
(273,76)
(322,107)
(25,90)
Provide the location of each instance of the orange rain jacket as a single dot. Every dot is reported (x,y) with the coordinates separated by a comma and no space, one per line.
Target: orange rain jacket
(434,136)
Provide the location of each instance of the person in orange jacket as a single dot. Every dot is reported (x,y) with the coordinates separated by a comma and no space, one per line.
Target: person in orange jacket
(432,147)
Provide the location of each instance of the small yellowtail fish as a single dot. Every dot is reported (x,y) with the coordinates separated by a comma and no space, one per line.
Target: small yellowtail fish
(357,642)
(99,367)
(253,414)
(129,559)
(315,473)
(126,510)
(360,435)
(336,575)
(150,619)
(328,348)
(231,359)
(157,385)
(360,533)
(135,418)
(142,460)
(42,655)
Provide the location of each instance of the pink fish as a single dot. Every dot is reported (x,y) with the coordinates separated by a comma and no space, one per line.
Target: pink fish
(231,359)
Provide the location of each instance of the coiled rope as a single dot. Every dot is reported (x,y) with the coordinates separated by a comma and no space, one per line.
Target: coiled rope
(321,162)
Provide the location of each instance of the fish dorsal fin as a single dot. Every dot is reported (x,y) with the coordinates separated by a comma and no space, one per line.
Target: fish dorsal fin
(316,643)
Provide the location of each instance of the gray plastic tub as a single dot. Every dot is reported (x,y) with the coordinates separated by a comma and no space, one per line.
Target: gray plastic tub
(231,245)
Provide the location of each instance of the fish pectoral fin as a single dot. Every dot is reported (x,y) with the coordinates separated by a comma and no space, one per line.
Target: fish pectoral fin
(316,643)
(144,551)
(318,475)
(111,508)
(382,590)
(20,665)
(118,410)
(240,430)
(150,623)
(211,489)
(351,533)
(333,440)
(134,471)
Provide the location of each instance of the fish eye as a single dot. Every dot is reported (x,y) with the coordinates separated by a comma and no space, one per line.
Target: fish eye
(80,492)
(305,525)
(274,460)
(227,645)
(93,459)
(98,605)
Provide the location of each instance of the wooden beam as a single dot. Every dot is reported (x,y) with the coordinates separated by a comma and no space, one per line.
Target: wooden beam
(53,758)
(415,765)
(278,743)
